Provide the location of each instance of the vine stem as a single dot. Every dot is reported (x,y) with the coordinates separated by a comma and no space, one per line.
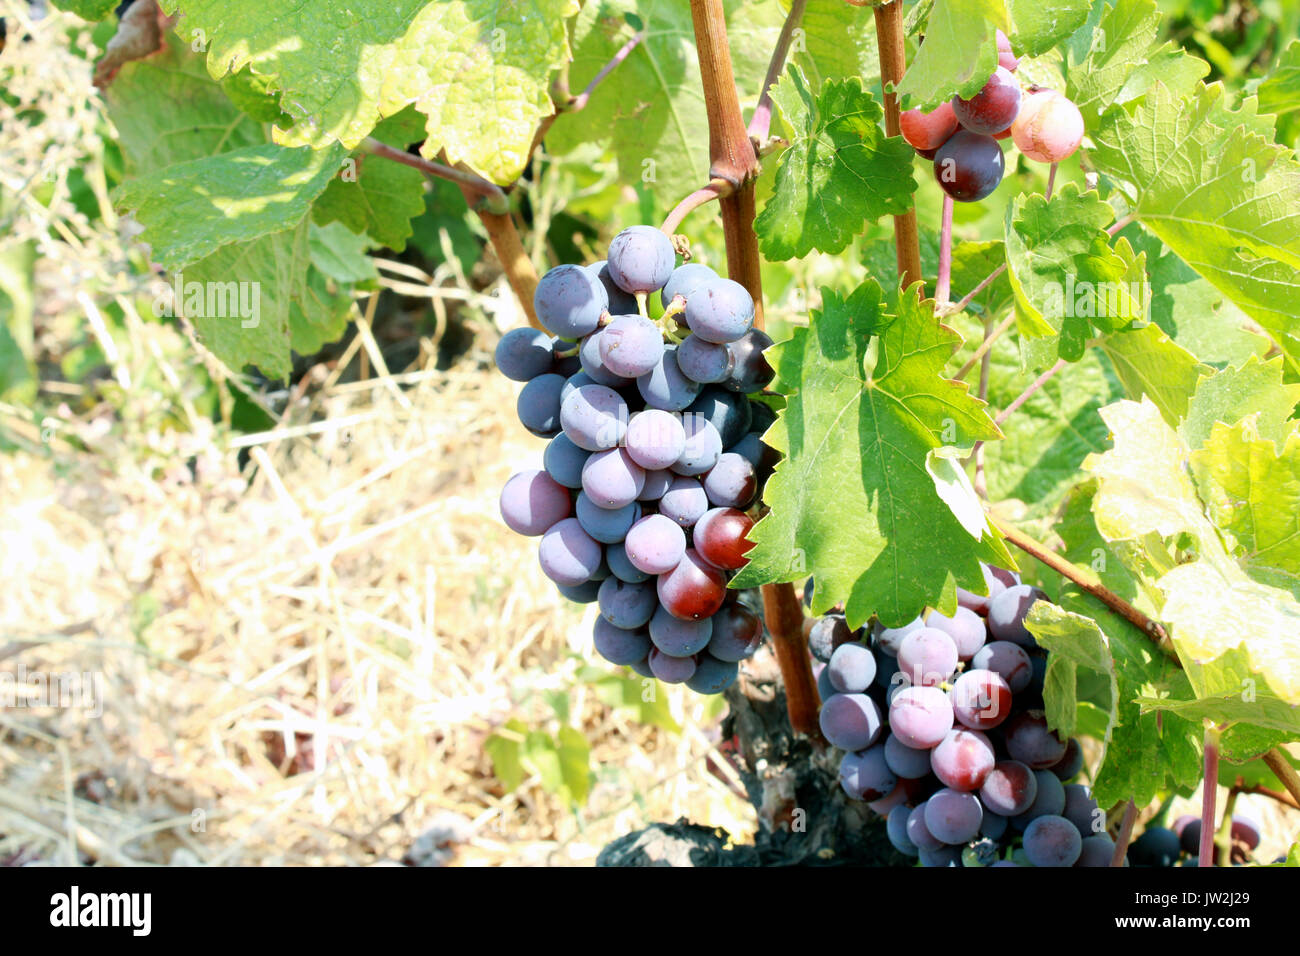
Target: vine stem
(580,101)
(944,281)
(760,123)
(1283,798)
(733,160)
(985,346)
(489,191)
(981,482)
(1283,770)
(893,64)
(1028,393)
(1051,181)
(1090,583)
(1125,835)
(1223,838)
(716,189)
(1209,791)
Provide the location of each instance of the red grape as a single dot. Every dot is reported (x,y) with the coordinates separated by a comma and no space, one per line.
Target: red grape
(692,590)
(1006,59)
(720,539)
(993,108)
(926,131)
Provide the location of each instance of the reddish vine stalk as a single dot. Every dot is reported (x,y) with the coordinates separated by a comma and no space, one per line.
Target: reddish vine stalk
(732,158)
(1209,791)
(893,64)
(1125,835)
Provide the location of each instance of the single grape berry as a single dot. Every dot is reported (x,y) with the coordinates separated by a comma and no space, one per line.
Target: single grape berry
(993,108)
(685,280)
(524,354)
(750,371)
(641,259)
(569,301)
(1006,59)
(631,345)
(969,166)
(721,311)
(719,537)
(532,502)
(926,131)
(1049,127)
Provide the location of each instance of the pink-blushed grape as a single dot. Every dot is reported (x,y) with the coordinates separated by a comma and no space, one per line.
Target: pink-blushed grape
(993,108)
(1049,127)
(532,502)
(930,130)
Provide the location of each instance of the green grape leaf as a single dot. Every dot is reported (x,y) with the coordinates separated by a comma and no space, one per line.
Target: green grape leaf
(1142,753)
(972,263)
(1066,278)
(192,209)
(93,10)
(167,110)
(575,762)
(505,750)
(340,254)
(1038,458)
(1038,25)
(479,70)
(959,54)
(641,694)
(839,174)
(838,42)
(1253,389)
(1151,364)
(1218,194)
(1280,91)
(320,314)
(650,107)
(867,482)
(240,298)
(1219,614)
(377,197)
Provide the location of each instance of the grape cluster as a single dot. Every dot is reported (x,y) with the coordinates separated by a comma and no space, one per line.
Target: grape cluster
(961,136)
(1161,846)
(655,454)
(944,734)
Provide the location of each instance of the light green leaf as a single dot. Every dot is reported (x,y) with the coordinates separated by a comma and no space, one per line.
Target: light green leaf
(642,694)
(839,174)
(93,10)
(193,209)
(479,70)
(1255,389)
(341,254)
(505,750)
(854,503)
(959,53)
(839,41)
(1038,25)
(575,762)
(1280,92)
(1151,364)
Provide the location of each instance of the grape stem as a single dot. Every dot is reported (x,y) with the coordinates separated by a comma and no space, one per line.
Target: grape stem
(760,123)
(733,160)
(1283,798)
(944,281)
(1125,835)
(893,64)
(565,102)
(1223,837)
(492,195)
(716,189)
(580,101)
(1028,393)
(1283,770)
(1051,181)
(984,346)
(1209,791)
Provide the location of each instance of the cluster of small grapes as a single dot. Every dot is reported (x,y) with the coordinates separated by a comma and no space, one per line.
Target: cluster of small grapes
(654,454)
(961,136)
(1161,846)
(963,764)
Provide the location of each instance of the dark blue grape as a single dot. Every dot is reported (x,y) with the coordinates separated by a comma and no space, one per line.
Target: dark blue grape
(721,311)
(641,259)
(539,405)
(569,301)
(969,166)
(703,361)
(685,280)
(666,386)
(712,676)
(750,371)
(524,354)
(620,302)
(729,413)
(563,461)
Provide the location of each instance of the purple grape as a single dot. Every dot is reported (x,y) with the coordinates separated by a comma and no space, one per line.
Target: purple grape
(1052,841)
(1096,850)
(996,580)
(1082,810)
(679,638)
(563,461)
(671,670)
(1009,789)
(896,829)
(524,354)
(730,414)
(827,633)
(573,383)
(694,589)
(568,554)
(952,816)
(702,450)
(993,825)
(737,633)
(850,721)
(655,438)
(656,484)
(963,760)
(685,501)
(569,301)
(886,669)
(1048,801)
(750,371)
(703,361)
(628,606)
(538,405)
(852,668)
(905,761)
(685,280)
(594,417)
(620,302)
(641,259)
(593,364)
(1069,765)
(993,109)
(1007,660)
(621,567)
(945,856)
(1007,614)
(712,676)
(865,775)
(612,479)
(584,593)
(969,166)
(666,386)
(888,639)
(928,657)
(619,645)
(1030,741)
(655,544)
(720,312)
(825,690)
(731,482)
(965,627)
(642,667)
(981,699)
(920,716)
(532,501)
(606,525)
(919,832)
(631,345)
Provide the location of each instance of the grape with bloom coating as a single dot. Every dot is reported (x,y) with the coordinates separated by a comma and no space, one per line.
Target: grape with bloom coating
(851,669)
(703,361)
(981,699)
(677,637)
(963,760)
(702,449)
(524,354)
(594,417)
(731,482)
(532,502)
(624,605)
(568,554)
(965,627)
(593,365)
(927,656)
(563,461)
(655,545)
(1052,841)
(612,479)
(606,525)
(569,301)
(1007,660)
(685,501)
(920,716)
(655,438)
(896,828)
(618,645)
(720,312)
(685,280)
(620,302)
(538,405)
(671,670)
(641,259)
(864,775)
(712,676)
(1010,788)
(666,386)
(631,345)
(1049,127)
(621,566)
(1031,742)
(905,761)
(850,721)
(953,816)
